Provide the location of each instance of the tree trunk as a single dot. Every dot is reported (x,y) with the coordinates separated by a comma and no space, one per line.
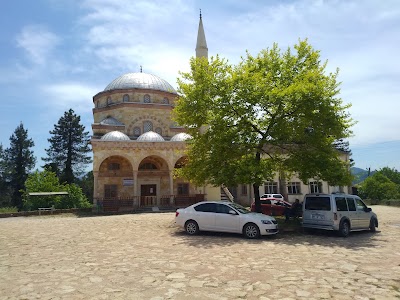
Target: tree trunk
(256,188)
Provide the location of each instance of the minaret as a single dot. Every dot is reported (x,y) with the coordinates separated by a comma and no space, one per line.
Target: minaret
(201,46)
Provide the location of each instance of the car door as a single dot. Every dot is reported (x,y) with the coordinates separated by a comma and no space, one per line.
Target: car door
(204,215)
(353,214)
(364,215)
(225,221)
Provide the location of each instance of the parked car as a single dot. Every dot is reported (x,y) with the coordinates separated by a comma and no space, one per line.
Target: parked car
(224,216)
(277,196)
(340,212)
(272,206)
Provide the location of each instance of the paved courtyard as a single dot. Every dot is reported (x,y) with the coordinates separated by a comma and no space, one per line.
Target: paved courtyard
(143,256)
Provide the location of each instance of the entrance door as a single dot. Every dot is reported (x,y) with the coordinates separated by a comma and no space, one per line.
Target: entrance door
(148,194)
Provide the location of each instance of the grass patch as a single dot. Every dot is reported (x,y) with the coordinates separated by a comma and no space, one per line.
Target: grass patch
(6,210)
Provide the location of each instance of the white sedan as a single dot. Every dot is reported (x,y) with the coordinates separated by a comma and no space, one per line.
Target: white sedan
(224,216)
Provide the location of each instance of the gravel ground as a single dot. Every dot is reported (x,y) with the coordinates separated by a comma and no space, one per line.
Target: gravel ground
(143,256)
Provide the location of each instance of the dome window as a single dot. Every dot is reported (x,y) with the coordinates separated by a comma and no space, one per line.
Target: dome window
(109,101)
(125,98)
(158,130)
(136,131)
(146,98)
(165,100)
(147,126)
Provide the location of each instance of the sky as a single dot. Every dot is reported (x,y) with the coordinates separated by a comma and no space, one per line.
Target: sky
(57,54)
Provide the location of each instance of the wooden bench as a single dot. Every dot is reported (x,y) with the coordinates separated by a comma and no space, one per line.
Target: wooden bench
(40,209)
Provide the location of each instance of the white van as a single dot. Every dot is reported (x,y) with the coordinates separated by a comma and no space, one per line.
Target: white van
(339,212)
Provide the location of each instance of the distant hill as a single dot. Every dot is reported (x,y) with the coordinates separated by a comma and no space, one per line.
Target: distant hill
(359,174)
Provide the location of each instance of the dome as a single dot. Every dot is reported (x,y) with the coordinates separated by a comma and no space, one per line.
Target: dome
(140,81)
(150,136)
(111,121)
(180,137)
(115,136)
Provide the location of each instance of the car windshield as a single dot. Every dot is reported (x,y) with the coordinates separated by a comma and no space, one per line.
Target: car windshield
(239,208)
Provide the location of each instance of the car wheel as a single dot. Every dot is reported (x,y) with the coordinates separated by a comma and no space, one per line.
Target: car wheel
(372,225)
(344,229)
(191,227)
(251,231)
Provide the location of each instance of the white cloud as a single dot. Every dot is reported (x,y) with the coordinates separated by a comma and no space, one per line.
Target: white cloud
(38,42)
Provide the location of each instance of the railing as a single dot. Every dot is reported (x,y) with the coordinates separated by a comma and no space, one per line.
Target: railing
(125,204)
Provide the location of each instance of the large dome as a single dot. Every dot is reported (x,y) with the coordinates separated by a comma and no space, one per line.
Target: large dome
(140,81)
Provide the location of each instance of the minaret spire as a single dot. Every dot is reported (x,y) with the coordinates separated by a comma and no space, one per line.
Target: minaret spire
(201,46)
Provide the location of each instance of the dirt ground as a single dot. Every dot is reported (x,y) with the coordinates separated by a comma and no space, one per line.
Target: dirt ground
(143,256)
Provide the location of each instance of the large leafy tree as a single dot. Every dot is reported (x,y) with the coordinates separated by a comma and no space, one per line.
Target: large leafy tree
(69,146)
(379,187)
(5,195)
(19,161)
(274,112)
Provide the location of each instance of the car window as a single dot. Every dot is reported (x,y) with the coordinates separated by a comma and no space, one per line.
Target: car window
(351,204)
(341,204)
(223,209)
(318,203)
(277,196)
(360,205)
(265,201)
(239,208)
(206,207)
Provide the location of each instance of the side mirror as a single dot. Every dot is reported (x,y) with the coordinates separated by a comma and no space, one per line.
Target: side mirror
(232,212)
(367,209)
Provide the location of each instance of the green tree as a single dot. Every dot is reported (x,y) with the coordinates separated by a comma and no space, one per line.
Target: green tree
(19,161)
(86,184)
(47,181)
(5,194)
(392,174)
(69,146)
(276,112)
(378,187)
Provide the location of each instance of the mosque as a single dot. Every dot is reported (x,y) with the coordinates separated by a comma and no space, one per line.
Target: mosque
(136,147)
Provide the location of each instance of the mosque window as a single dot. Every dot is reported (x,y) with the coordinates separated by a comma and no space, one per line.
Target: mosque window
(147,126)
(97,104)
(165,100)
(110,190)
(158,130)
(136,131)
(146,98)
(183,188)
(125,98)
(147,166)
(109,101)
(113,166)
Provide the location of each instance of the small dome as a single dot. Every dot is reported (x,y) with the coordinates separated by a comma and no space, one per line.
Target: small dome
(111,121)
(181,137)
(115,136)
(150,136)
(140,81)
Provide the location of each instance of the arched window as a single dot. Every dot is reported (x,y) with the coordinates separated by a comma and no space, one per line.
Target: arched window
(146,98)
(109,101)
(136,131)
(165,100)
(158,130)
(147,166)
(125,98)
(147,126)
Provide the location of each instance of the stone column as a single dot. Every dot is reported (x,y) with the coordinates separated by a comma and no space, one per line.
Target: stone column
(135,188)
(171,187)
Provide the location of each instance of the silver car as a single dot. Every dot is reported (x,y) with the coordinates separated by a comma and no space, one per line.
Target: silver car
(339,212)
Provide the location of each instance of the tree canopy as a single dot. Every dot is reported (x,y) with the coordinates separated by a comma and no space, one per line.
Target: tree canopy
(69,145)
(274,112)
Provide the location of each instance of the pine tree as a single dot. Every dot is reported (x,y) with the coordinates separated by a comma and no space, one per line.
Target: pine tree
(69,146)
(18,161)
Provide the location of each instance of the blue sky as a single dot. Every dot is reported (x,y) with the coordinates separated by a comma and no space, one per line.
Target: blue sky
(57,54)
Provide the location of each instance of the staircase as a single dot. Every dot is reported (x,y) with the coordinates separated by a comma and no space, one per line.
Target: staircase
(226,194)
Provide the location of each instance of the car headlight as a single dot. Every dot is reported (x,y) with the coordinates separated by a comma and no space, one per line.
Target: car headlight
(266,222)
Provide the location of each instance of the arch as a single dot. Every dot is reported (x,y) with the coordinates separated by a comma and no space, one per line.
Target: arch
(125,98)
(180,162)
(116,164)
(153,163)
(165,100)
(109,101)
